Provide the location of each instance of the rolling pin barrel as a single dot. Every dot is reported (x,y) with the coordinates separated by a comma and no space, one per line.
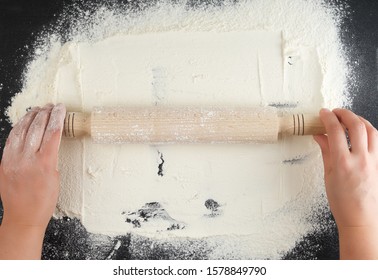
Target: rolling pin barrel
(158,125)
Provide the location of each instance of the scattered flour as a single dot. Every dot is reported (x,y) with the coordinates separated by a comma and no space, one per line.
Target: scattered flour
(248,201)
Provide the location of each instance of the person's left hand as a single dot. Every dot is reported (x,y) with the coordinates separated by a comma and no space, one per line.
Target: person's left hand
(29,180)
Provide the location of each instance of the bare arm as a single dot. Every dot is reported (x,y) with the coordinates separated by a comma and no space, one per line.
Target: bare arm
(29,182)
(351,178)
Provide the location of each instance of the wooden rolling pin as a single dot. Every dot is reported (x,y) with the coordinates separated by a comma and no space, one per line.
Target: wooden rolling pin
(158,125)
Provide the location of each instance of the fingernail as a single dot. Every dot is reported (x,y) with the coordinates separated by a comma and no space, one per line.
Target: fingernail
(60,106)
(59,109)
(48,106)
(324,110)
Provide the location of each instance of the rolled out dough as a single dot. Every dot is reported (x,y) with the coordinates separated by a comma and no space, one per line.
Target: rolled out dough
(113,182)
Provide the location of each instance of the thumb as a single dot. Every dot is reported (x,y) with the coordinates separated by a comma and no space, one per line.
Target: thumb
(322,140)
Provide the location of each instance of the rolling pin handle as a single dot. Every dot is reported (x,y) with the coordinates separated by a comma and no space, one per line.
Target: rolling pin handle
(76,125)
(301,124)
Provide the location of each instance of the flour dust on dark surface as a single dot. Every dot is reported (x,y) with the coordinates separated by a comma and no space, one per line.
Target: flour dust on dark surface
(23,24)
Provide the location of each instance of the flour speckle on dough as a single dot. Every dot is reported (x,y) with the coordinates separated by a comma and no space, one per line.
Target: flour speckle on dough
(230,201)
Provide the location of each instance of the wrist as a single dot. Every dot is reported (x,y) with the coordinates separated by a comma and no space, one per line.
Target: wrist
(357,230)
(21,241)
(21,230)
(358,242)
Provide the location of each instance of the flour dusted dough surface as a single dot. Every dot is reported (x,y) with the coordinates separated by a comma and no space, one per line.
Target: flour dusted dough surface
(113,182)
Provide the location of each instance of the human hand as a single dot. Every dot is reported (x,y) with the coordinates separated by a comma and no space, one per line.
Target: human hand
(351,178)
(29,180)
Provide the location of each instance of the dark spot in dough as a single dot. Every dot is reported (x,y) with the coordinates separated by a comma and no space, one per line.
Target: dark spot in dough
(214,207)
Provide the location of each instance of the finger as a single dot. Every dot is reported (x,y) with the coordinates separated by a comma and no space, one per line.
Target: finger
(338,145)
(2,179)
(322,140)
(372,135)
(16,140)
(51,139)
(356,130)
(36,130)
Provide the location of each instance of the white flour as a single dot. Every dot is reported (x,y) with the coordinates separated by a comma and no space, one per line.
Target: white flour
(252,201)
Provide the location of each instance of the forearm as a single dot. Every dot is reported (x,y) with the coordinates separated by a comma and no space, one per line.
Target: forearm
(20,243)
(358,243)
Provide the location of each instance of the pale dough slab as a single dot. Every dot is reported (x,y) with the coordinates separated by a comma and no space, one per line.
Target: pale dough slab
(194,68)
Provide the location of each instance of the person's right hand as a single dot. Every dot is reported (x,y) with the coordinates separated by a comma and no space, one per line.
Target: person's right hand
(351,174)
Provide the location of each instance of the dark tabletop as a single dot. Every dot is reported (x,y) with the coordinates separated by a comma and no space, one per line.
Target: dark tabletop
(20,23)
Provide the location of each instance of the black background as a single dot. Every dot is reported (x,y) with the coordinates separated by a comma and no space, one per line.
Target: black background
(20,23)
